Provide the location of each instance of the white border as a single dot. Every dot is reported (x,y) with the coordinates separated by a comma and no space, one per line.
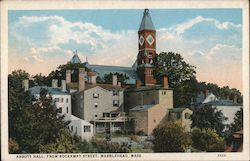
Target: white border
(77,4)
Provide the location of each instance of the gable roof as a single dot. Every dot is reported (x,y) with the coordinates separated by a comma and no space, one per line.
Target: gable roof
(89,86)
(51,90)
(101,70)
(146,23)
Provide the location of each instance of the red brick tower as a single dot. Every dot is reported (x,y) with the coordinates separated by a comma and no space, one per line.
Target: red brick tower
(147,52)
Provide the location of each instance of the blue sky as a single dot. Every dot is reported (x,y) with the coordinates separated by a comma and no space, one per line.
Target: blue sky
(210,39)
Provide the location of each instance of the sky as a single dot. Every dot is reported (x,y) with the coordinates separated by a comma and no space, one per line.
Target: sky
(209,39)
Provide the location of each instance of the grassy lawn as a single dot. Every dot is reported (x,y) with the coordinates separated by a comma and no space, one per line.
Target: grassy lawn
(141,150)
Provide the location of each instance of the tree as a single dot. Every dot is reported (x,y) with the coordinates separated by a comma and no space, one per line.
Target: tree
(181,77)
(107,78)
(15,79)
(208,117)
(207,140)
(170,137)
(34,127)
(235,126)
(174,66)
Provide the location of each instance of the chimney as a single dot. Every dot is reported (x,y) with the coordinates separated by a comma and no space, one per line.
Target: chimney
(137,84)
(165,82)
(68,76)
(93,79)
(114,80)
(54,83)
(235,98)
(206,93)
(63,85)
(81,83)
(25,84)
(119,84)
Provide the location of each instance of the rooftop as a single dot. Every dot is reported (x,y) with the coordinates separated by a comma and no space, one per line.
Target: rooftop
(89,86)
(222,103)
(53,91)
(75,59)
(177,110)
(141,108)
(101,70)
(146,23)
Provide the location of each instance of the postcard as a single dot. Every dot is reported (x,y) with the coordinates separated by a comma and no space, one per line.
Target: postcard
(125,80)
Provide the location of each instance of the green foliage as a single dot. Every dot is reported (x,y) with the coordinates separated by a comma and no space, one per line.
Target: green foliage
(170,137)
(208,117)
(107,78)
(207,140)
(15,79)
(235,126)
(181,77)
(174,66)
(35,127)
(108,147)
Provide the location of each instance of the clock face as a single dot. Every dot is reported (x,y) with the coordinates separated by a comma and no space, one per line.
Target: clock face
(141,40)
(150,39)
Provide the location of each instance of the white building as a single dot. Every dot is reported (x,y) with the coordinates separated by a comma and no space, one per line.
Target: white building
(227,107)
(80,127)
(62,100)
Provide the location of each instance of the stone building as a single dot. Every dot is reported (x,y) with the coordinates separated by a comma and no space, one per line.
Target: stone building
(100,104)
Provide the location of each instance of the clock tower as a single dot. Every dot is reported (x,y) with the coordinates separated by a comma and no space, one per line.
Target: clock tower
(147,49)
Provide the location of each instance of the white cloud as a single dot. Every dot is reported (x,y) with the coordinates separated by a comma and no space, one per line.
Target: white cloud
(121,47)
(181,28)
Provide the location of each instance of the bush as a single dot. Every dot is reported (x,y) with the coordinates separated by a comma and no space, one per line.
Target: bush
(105,147)
(207,140)
(170,137)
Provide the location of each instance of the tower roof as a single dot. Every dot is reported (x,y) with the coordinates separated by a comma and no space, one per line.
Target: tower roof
(75,59)
(146,23)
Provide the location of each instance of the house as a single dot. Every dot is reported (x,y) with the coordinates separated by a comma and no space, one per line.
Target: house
(80,127)
(100,104)
(60,95)
(148,117)
(62,100)
(181,115)
(227,107)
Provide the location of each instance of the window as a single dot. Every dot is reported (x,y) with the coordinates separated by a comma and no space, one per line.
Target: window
(95,95)
(87,128)
(187,116)
(115,93)
(163,92)
(150,55)
(178,115)
(67,109)
(67,100)
(95,115)
(150,60)
(60,109)
(115,103)
(56,99)
(72,128)
(150,73)
(61,99)
(147,93)
(76,129)
(96,105)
